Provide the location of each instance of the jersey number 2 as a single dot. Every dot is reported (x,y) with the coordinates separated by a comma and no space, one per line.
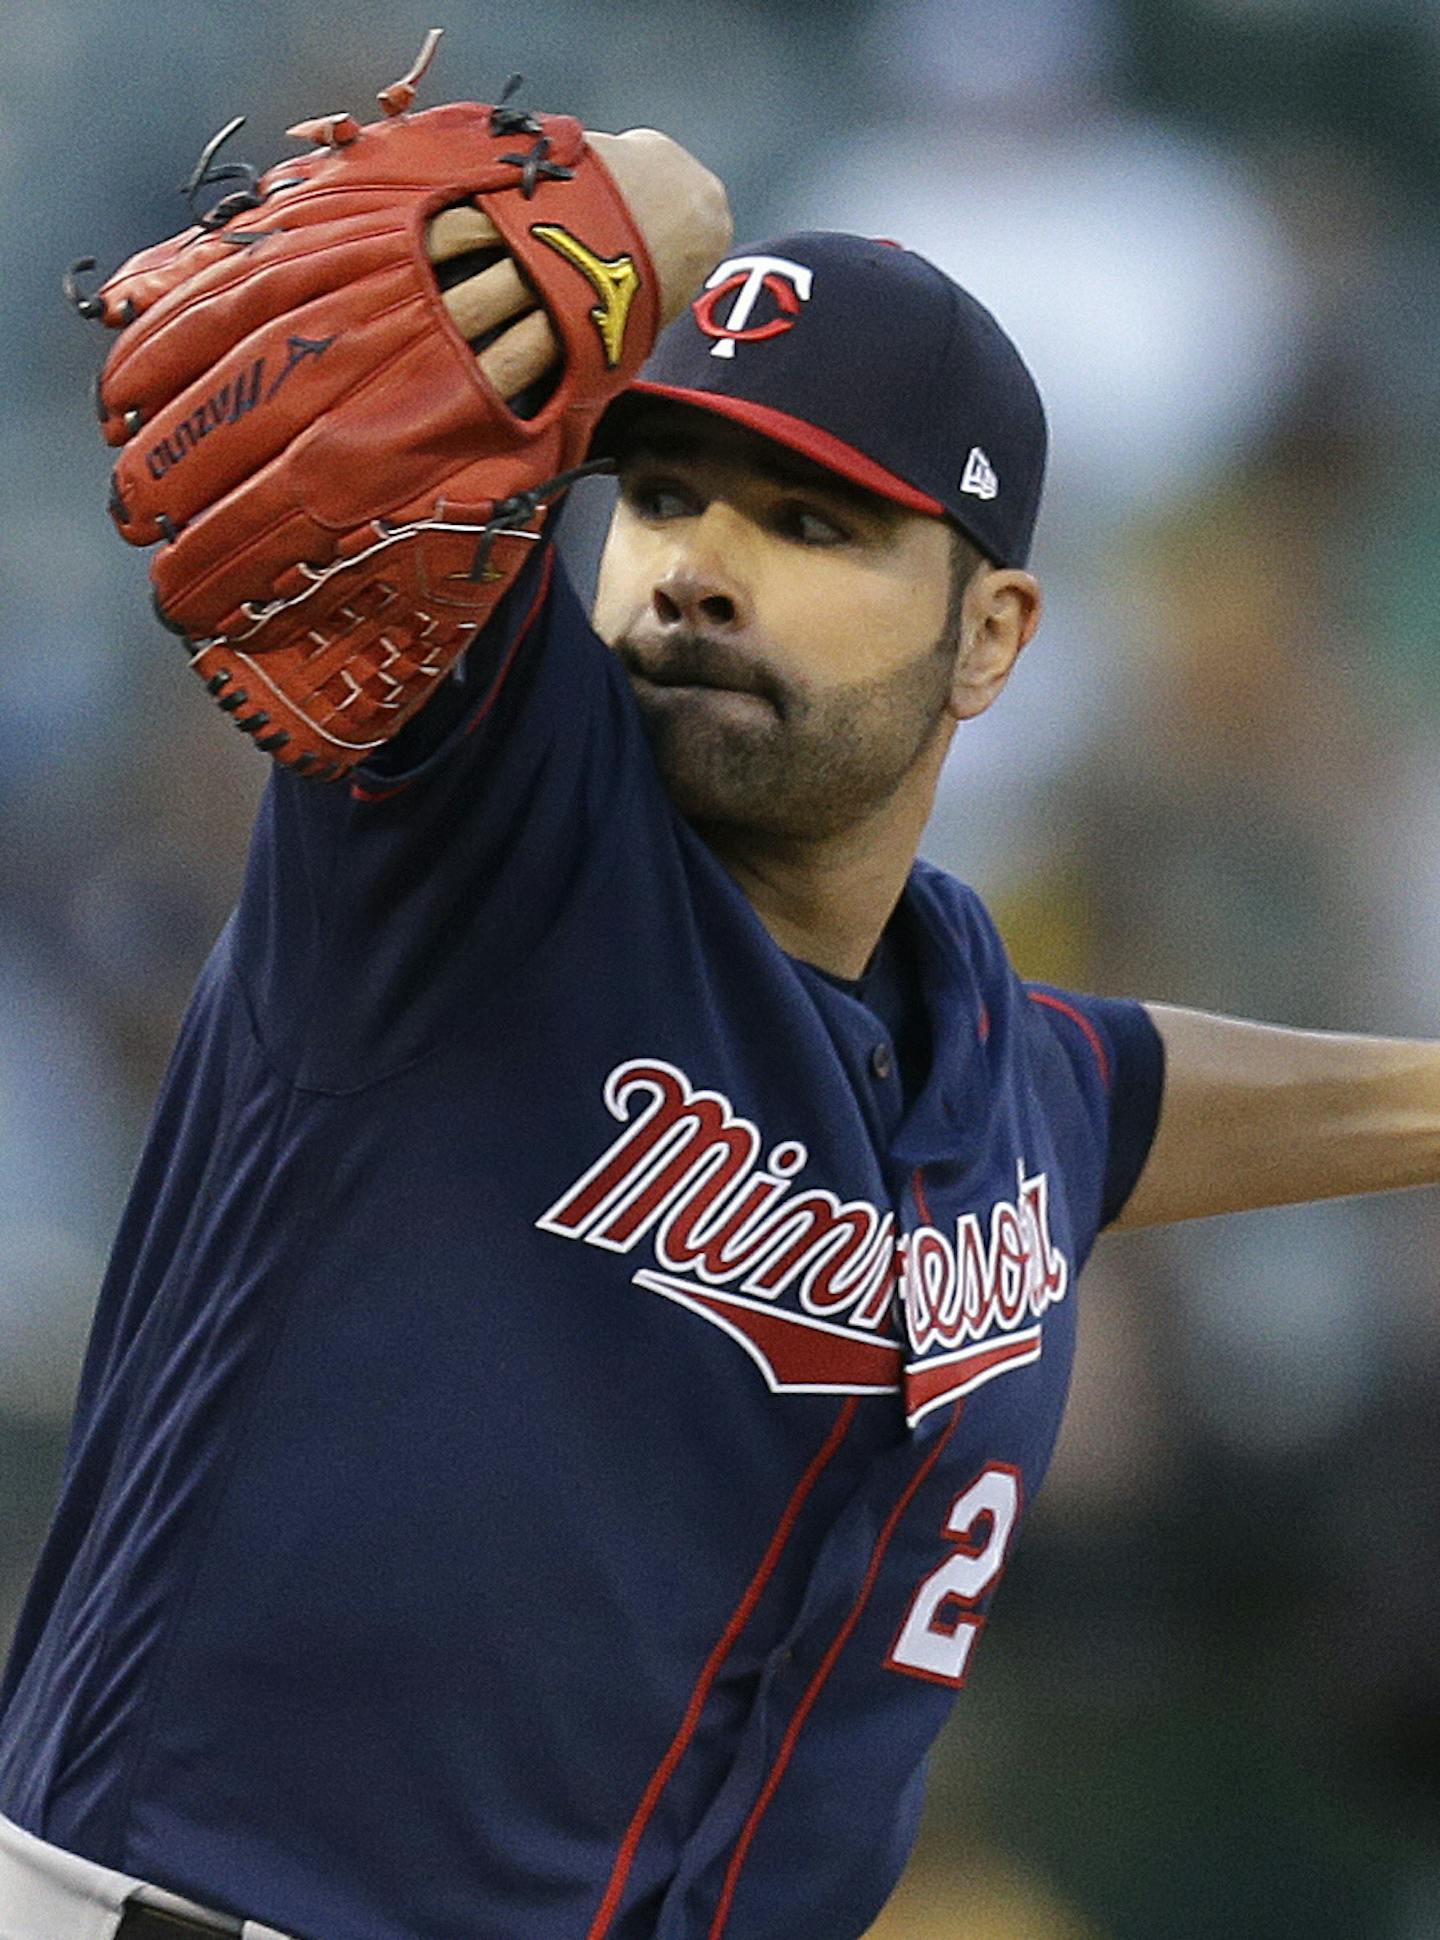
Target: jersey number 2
(941,1626)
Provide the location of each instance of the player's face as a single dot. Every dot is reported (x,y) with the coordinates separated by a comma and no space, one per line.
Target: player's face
(787,635)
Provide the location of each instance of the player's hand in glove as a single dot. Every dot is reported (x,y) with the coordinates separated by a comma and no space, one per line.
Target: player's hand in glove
(344,463)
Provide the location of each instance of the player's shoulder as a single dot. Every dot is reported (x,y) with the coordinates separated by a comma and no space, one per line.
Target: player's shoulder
(958,912)
(1020,1017)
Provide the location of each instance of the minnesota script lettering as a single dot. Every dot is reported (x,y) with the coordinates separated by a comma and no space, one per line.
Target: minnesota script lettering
(731,1237)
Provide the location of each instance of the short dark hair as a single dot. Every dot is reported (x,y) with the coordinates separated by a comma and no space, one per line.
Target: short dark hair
(965,558)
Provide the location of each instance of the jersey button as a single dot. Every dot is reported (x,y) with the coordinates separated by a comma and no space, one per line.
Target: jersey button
(881,1062)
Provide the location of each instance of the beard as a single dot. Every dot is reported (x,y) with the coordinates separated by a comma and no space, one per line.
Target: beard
(741,748)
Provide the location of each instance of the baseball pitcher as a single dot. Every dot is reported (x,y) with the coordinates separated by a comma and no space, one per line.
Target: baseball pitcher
(596,1302)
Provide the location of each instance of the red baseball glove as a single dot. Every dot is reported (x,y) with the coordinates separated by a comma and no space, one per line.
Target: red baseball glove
(341,491)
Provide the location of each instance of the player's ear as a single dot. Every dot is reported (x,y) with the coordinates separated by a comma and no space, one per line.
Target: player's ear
(999,613)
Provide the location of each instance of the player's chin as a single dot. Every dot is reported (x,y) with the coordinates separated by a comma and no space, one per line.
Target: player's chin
(717,763)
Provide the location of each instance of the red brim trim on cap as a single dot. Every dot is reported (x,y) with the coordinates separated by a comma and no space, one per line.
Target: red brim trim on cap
(833,453)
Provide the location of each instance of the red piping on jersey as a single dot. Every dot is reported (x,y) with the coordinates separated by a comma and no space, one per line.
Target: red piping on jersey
(920,1200)
(817,1682)
(360,793)
(665,1770)
(1077,1017)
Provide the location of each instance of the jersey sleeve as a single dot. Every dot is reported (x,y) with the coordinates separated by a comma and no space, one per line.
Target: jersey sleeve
(376,914)
(1118,1059)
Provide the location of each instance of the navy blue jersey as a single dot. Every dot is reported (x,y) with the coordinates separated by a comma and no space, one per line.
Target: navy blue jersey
(560,1405)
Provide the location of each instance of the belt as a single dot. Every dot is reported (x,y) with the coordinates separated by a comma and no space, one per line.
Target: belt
(151,1923)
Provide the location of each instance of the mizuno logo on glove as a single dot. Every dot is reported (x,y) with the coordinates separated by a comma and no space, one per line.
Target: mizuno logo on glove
(229,404)
(614,280)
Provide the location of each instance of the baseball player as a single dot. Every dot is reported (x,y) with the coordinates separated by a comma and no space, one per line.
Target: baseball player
(597,1300)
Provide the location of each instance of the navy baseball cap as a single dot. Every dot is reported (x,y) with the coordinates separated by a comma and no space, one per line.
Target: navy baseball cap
(867,359)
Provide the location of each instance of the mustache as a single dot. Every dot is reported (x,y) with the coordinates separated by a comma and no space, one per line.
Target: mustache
(700,660)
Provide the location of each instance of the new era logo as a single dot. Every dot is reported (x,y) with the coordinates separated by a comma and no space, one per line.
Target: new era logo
(979,479)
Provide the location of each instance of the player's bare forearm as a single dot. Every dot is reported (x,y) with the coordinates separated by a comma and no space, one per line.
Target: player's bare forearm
(1254,1115)
(682,209)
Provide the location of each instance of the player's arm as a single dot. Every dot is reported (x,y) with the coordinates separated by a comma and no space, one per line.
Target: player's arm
(1253,1115)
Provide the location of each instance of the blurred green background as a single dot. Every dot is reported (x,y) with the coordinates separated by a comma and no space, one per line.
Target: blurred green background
(1209,1702)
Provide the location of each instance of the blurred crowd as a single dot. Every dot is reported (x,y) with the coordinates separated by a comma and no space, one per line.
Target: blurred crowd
(1210,1700)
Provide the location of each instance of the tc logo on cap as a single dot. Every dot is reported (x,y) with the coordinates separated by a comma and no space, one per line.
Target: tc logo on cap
(744,277)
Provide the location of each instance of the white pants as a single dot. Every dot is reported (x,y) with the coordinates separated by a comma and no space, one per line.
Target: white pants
(49,1894)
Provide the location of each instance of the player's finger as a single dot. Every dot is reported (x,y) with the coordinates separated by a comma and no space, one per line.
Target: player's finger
(454,231)
(492,297)
(479,304)
(521,354)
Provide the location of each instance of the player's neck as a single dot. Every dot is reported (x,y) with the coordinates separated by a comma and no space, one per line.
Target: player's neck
(826,900)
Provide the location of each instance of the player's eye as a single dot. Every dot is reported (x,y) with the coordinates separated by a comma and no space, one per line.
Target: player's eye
(810,525)
(658,498)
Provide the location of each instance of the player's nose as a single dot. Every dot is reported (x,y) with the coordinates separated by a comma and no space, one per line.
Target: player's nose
(698,587)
